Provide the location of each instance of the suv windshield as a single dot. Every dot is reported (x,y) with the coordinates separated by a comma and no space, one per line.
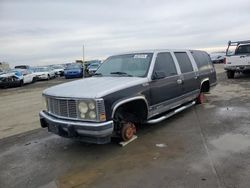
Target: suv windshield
(126,65)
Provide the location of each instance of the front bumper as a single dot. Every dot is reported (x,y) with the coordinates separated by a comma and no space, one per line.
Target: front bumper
(239,68)
(92,132)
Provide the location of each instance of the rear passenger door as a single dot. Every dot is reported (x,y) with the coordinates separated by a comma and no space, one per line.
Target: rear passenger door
(189,78)
(164,90)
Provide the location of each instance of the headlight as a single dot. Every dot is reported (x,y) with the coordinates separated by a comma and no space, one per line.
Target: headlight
(83,107)
(88,110)
(91,106)
(92,114)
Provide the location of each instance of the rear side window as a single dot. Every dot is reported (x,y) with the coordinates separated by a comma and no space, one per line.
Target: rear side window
(165,63)
(184,62)
(244,49)
(201,60)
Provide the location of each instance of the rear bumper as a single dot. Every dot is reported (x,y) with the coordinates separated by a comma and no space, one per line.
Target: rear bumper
(99,133)
(238,68)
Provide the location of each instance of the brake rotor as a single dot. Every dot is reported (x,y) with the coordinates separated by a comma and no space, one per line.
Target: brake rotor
(128,130)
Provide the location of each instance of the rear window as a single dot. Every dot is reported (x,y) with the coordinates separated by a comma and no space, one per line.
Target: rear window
(244,49)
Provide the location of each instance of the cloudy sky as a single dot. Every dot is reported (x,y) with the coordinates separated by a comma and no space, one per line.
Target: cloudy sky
(45,32)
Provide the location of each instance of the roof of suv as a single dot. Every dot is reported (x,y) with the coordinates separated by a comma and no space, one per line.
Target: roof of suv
(155,51)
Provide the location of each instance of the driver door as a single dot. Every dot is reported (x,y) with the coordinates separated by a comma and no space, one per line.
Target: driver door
(164,89)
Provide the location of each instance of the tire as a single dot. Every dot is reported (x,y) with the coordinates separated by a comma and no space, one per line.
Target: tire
(200,99)
(21,83)
(230,74)
(33,80)
(48,77)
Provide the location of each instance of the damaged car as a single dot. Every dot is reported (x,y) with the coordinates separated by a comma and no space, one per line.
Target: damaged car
(127,90)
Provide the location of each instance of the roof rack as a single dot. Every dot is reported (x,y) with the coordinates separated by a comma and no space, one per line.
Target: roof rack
(236,43)
(230,43)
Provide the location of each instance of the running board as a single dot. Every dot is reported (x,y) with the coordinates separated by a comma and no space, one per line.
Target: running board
(166,116)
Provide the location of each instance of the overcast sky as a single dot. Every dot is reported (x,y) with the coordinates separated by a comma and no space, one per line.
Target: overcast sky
(46,32)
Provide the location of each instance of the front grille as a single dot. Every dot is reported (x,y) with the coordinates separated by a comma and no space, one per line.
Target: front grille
(68,108)
(62,107)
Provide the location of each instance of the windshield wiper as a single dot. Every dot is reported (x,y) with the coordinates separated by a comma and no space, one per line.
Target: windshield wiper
(121,73)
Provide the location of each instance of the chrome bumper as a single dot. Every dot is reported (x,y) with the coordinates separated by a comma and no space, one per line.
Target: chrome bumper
(95,132)
(238,68)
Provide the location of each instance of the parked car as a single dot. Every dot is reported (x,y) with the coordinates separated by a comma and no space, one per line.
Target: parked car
(27,76)
(127,90)
(22,67)
(238,60)
(58,69)
(44,73)
(92,68)
(10,80)
(217,57)
(73,70)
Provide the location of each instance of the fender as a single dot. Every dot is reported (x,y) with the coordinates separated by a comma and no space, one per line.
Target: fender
(123,101)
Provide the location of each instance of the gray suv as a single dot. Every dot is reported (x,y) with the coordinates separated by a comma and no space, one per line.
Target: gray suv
(127,90)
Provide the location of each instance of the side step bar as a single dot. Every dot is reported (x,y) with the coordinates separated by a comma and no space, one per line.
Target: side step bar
(165,116)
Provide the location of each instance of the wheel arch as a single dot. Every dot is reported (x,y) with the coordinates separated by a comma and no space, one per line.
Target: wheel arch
(127,101)
(205,85)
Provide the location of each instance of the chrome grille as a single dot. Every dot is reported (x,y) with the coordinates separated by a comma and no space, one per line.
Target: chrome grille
(62,107)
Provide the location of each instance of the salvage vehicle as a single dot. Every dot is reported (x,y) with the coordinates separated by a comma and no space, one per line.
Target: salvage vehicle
(10,80)
(44,73)
(237,58)
(217,57)
(58,69)
(128,90)
(92,68)
(25,75)
(74,70)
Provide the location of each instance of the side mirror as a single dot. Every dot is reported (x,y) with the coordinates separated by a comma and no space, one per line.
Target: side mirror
(158,75)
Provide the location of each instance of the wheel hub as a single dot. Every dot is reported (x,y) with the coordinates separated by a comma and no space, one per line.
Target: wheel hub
(128,131)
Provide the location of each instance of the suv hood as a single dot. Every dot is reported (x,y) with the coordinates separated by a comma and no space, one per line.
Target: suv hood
(94,87)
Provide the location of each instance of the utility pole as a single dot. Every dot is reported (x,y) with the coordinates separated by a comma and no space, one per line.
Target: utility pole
(83,53)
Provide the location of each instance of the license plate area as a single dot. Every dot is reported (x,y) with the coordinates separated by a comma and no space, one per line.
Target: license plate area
(53,128)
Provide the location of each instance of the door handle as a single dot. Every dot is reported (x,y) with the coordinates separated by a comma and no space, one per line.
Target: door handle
(196,77)
(179,81)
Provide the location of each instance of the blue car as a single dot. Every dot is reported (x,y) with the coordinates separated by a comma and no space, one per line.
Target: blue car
(73,71)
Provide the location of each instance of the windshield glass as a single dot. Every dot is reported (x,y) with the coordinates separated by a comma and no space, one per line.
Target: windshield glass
(94,65)
(57,67)
(73,67)
(126,65)
(42,69)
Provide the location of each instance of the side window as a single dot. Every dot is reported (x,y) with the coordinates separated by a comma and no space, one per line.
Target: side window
(165,63)
(184,62)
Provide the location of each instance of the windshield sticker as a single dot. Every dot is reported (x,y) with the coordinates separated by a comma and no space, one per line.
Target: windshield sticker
(141,56)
